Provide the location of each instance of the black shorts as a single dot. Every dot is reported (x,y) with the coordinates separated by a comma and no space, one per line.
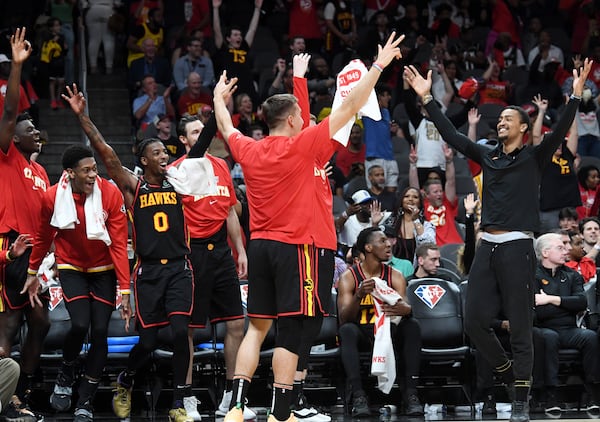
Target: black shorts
(162,290)
(287,280)
(216,284)
(100,286)
(14,275)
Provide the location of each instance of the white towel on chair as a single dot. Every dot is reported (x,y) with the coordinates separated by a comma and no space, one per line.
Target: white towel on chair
(193,176)
(65,213)
(346,80)
(383,362)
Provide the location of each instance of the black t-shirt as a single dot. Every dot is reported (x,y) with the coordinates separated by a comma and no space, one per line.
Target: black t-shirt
(559,188)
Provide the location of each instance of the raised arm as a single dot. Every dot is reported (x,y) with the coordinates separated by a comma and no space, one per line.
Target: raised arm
(453,137)
(253,23)
(222,93)
(300,66)
(218,33)
(125,180)
(206,136)
(450,188)
(21,50)
(413,172)
(360,93)
(473,118)
(536,131)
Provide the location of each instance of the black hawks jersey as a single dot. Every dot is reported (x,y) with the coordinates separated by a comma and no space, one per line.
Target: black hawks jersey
(159,230)
(367,309)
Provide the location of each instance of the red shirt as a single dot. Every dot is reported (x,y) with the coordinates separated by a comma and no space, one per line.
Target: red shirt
(586,267)
(304,20)
(205,215)
(443,220)
(345,158)
(190,105)
(288,191)
(22,186)
(73,249)
(23,101)
(495,92)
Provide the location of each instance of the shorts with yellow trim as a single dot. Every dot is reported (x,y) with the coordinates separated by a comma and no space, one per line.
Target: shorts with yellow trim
(286,279)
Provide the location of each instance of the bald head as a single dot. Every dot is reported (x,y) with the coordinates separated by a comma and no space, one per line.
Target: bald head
(194,81)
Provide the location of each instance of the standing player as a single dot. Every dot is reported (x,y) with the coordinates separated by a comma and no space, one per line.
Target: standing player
(510,214)
(84,216)
(22,186)
(293,235)
(163,279)
(210,219)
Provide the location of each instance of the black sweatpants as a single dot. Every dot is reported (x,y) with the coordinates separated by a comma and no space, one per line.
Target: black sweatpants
(500,281)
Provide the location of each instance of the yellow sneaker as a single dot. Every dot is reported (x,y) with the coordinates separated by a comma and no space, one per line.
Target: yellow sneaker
(179,415)
(122,400)
(234,415)
(292,418)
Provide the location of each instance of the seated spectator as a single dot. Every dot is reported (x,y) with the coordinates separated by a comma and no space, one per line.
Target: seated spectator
(440,206)
(297,45)
(284,79)
(588,126)
(560,296)
(149,105)
(506,53)
(589,228)
(24,105)
(180,49)
(568,219)
(152,28)
(548,51)
(364,212)
(244,117)
(151,64)
(354,152)
(257,132)
(495,90)
(410,227)
(194,61)
(403,265)
(320,77)
(11,409)
(194,96)
(589,185)
(357,318)
(139,10)
(580,261)
(378,191)
(428,261)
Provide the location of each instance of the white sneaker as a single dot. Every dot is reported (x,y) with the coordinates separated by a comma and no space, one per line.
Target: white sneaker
(310,414)
(191,407)
(223,408)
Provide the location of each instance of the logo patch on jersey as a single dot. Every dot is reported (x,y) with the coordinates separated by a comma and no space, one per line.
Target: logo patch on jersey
(545,282)
(56,296)
(430,294)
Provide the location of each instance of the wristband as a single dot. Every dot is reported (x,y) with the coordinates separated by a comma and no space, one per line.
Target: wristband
(575,97)
(467,215)
(8,256)
(427,99)
(377,66)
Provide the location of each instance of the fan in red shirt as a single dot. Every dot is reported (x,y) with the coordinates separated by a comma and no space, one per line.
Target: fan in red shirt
(292,231)
(22,185)
(89,267)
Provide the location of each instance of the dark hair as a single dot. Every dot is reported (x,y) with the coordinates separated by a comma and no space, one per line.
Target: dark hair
(364,237)
(276,109)
(233,28)
(382,88)
(568,212)
(24,116)
(375,166)
(152,12)
(51,21)
(75,153)
(424,248)
(183,122)
(522,113)
(190,40)
(586,220)
(142,145)
(583,174)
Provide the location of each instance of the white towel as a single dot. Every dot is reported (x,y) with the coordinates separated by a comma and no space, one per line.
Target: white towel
(65,213)
(383,362)
(193,176)
(346,80)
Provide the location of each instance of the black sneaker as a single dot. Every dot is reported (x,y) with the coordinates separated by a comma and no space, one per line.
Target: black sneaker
(83,414)
(360,406)
(489,406)
(519,412)
(552,405)
(414,406)
(14,413)
(60,399)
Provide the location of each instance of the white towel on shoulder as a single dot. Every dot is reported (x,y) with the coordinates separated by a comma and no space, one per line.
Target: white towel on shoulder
(346,80)
(193,176)
(65,213)
(383,362)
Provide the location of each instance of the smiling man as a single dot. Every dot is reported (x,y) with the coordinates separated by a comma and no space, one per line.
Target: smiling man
(503,270)
(91,254)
